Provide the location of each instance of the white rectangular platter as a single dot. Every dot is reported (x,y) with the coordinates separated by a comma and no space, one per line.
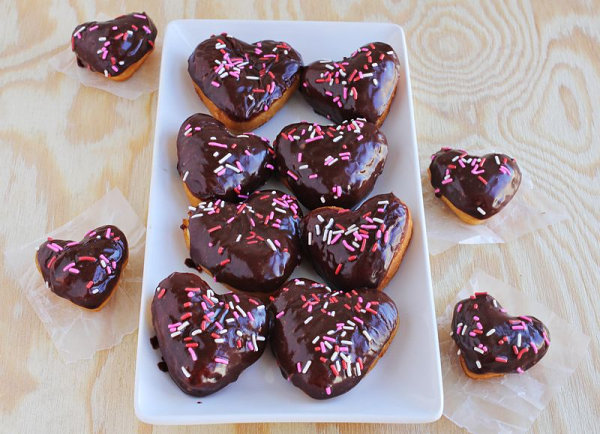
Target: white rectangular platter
(405,386)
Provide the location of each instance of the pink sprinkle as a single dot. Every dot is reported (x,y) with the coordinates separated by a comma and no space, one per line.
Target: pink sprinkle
(91,29)
(447,181)
(501,359)
(215,84)
(161,293)
(147,29)
(313,139)
(299,157)
(193,354)
(348,246)
(335,239)
(72,264)
(280,314)
(221,360)
(358,320)
(328,339)
(250,316)
(73,270)
(313,176)
(219,145)
(299,366)
(328,390)
(292,175)
(143,17)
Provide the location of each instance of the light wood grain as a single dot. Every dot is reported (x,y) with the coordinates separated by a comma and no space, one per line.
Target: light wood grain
(521,76)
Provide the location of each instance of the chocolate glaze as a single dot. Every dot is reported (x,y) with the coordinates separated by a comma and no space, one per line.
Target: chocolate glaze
(253,246)
(257,74)
(84,272)
(331,165)
(361,266)
(359,86)
(302,316)
(480,322)
(488,186)
(110,47)
(203,147)
(198,333)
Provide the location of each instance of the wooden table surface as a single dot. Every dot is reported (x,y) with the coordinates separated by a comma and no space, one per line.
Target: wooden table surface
(523,77)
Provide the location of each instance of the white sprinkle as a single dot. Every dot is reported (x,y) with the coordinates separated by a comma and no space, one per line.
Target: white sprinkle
(478,363)
(481,211)
(367,335)
(185,175)
(519,340)
(225,158)
(322,199)
(196,332)
(347,342)
(306,366)
(316,339)
(218,169)
(219,341)
(310,238)
(239,237)
(304,166)
(185,372)
(175,334)
(307,320)
(271,245)
(497,160)
(252,77)
(490,332)
(334,356)
(479,350)
(240,310)
(254,343)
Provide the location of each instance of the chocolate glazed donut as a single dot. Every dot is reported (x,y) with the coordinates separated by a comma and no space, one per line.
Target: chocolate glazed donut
(330,165)
(84,272)
(115,48)
(244,85)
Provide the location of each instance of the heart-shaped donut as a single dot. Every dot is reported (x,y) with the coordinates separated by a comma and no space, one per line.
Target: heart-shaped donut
(325,342)
(360,86)
(244,85)
(493,343)
(85,272)
(358,249)
(474,188)
(253,246)
(115,48)
(206,339)
(328,165)
(216,164)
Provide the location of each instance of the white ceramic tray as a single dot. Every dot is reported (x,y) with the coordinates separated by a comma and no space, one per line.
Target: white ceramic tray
(405,386)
